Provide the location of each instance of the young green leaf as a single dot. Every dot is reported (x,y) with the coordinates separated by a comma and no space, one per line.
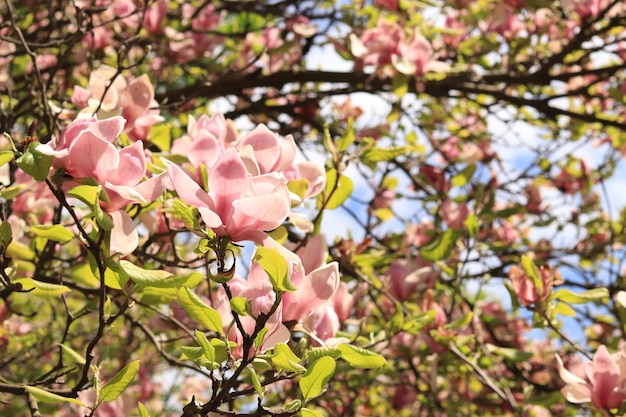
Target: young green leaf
(256,382)
(314,381)
(141,409)
(146,277)
(42,289)
(441,247)
(336,192)
(71,356)
(35,163)
(307,412)
(6,157)
(54,232)
(207,348)
(285,360)
(276,267)
(361,358)
(6,234)
(120,382)
(594,294)
(44,396)
(199,311)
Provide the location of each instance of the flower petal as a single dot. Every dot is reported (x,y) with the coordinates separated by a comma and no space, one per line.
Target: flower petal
(124,237)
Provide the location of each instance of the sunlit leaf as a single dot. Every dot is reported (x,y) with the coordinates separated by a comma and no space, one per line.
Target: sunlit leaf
(361,358)
(571,297)
(54,232)
(199,311)
(276,267)
(42,289)
(120,382)
(44,396)
(314,381)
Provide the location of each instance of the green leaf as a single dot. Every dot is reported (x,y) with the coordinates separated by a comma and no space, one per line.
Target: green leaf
(568,296)
(307,412)
(513,355)
(44,396)
(199,311)
(400,84)
(6,234)
(347,139)
(285,360)
(6,157)
(314,381)
(88,194)
(207,348)
(41,289)
(372,156)
(141,409)
(120,382)
(71,355)
(256,382)
(160,136)
(146,277)
(463,177)
(315,353)
(336,192)
(276,267)
(298,186)
(564,310)
(361,358)
(239,305)
(35,163)
(471,224)
(54,232)
(10,193)
(441,247)
(186,213)
(193,353)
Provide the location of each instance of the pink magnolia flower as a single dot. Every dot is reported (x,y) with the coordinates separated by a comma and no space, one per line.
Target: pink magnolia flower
(454,214)
(409,277)
(133,100)
(257,289)
(316,280)
(237,205)
(527,291)
(85,149)
(603,382)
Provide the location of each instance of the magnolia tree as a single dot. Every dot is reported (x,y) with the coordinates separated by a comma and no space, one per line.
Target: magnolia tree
(312,208)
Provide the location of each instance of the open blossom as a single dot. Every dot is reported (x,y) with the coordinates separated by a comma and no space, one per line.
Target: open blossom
(261,151)
(237,205)
(113,95)
(257,289)
(316,280)
(85,149)
(525,288)
(603,383)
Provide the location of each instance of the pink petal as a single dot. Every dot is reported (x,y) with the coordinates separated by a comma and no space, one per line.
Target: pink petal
(152,188)
(204,149)
(315,290)
(187,188)
(81,96)
(265,145)
(265,212)
(124,237)
(228,180)
(91,156)
(135,99)
(131,168)
(316,176)
(314,253)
